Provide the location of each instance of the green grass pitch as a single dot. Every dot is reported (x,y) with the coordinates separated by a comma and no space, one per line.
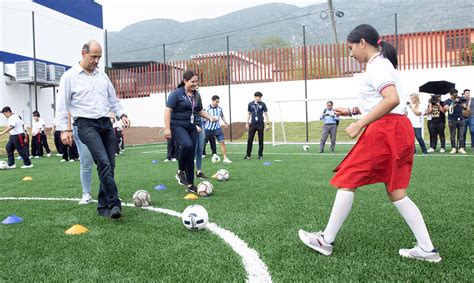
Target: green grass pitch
(263,205)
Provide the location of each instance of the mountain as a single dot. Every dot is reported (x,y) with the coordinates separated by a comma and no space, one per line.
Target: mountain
(277,24)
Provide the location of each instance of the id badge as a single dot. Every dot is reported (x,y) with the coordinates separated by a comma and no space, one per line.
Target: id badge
(192,119)
(256,119)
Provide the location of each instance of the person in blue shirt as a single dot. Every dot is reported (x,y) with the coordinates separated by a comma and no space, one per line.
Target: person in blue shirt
(455,106)
(255,123)
(182,105)
(330,121)
(213,129)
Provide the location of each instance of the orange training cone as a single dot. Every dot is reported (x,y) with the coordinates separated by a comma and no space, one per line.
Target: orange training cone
(27,178)
(191,196)
(76,230)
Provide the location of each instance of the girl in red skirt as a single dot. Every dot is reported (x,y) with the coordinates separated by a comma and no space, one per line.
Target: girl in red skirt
(383,153)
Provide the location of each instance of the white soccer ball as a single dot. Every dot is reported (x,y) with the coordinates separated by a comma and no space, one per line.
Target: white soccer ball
(205,188)
(305,147)
(3,165)
(222,175)
(141,198)
(195,217)
(215,159)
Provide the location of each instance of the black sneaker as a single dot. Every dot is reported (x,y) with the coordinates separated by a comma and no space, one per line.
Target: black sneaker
(260,157)
(200,174)
(192,189)
(181,178)
(247,157)
(104,212)
(116,212)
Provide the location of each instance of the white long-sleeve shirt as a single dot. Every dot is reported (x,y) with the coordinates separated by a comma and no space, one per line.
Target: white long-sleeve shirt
(85,95)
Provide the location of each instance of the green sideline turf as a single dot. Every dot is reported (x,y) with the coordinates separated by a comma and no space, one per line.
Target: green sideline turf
(263,205)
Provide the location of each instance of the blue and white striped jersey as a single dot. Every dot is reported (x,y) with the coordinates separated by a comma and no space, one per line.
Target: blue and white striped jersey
(213,111)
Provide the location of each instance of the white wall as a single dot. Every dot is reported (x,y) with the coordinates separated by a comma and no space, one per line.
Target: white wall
(59,39)
(148,112)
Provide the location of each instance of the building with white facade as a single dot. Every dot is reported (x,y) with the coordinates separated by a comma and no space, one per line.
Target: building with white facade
(54,32)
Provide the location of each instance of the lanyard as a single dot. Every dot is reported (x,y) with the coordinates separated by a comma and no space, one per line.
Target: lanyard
(192,100)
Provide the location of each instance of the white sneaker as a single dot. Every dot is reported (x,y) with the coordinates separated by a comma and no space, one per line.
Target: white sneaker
(86,198)
(174,160)
(442,150)
(461,150)
(431,150)
(27,166)
(11,166)
(48,155)
(419,253)
(36,157)
(59,154)
(19,158)
(316,242)
(227,161)
(71,160)
(62,160)
(203,156)
(166,160)
(453,151)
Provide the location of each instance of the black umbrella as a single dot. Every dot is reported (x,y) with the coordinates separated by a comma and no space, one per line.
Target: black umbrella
(436,87)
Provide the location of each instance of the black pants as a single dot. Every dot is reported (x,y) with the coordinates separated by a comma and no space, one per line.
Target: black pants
(57,142)
(252,129)
(19,143)
(172,148)
(186,137)
(37,143)
(98,136)
(436,129)
(456,130)
(212,141)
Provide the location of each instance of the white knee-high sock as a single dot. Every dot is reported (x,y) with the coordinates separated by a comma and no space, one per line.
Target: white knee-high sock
(414,219)
(340,210)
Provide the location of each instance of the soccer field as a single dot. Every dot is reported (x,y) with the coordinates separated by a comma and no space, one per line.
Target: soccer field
(262,205)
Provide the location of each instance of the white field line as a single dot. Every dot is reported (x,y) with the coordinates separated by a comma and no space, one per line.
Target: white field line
(256,269)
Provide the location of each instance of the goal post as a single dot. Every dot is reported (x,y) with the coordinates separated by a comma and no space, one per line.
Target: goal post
(296,116)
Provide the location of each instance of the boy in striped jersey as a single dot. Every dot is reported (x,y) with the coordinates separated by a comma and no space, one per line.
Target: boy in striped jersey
(214,128)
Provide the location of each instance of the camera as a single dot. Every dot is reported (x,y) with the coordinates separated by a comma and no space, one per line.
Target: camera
(434,99)
(460,99)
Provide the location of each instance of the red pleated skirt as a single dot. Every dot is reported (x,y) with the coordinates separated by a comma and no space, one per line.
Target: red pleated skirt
(383,154)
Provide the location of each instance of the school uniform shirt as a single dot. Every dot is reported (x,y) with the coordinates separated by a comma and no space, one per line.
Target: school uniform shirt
(379,75)
(37,127)
(17,124)
(256,110)
(213,111)
(182,107)
(414,120)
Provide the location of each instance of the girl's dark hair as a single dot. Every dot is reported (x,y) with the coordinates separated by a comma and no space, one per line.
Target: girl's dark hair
(371,36)
(189,74)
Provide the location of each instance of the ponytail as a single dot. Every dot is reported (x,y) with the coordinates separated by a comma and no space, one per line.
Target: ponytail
(372,37)
(389,52)
(181,84)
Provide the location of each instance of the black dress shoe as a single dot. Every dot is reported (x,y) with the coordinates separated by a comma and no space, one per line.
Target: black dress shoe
(116,212)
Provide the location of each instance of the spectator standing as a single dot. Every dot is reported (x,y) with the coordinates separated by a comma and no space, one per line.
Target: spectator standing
(436,123)
(330,121)
(415,115)
(455,106)
(468,116)
(255,123)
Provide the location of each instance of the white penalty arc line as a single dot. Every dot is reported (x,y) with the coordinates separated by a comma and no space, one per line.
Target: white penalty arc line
(256,269)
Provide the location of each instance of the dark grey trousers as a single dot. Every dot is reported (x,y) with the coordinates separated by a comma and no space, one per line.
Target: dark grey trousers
(328,129)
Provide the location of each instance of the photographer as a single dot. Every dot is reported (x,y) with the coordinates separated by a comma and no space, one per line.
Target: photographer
(468,118)
(436,122)
(455,106)
(414,114)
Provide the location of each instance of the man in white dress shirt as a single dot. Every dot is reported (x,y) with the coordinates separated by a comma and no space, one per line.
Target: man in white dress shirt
(88,95)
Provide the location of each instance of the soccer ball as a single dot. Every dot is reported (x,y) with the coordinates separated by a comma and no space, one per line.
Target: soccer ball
(141,198)
(305,147)
(222,175)
(215,159)
(195,217)
(3,165)
(205,188)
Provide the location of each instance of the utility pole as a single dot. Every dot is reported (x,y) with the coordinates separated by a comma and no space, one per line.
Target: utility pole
(333,23)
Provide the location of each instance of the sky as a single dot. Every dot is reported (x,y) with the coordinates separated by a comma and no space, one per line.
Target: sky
(121,13)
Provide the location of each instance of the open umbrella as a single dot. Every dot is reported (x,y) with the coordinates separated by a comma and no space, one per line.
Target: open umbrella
(436,87)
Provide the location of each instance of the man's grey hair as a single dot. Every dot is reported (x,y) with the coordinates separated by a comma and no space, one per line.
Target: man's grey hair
(87,46)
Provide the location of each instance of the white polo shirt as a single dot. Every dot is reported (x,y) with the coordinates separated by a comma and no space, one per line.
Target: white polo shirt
(37,127)
(415,120)
(379,74)
(16,123)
